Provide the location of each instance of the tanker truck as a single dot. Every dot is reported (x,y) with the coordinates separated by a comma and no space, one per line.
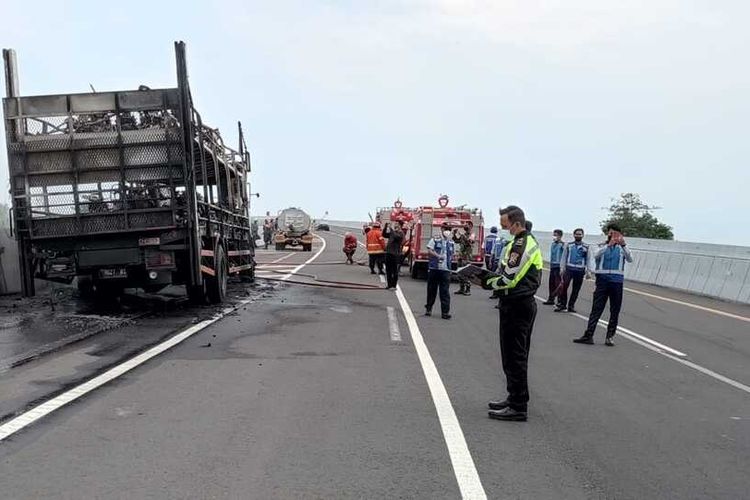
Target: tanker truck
(293,228)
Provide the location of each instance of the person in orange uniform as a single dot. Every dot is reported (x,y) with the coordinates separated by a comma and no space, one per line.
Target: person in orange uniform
(376,248)
(350,246)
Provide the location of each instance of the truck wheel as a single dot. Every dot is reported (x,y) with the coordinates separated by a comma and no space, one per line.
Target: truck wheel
(196,294)
(216,285)
(108,293)
(414,270)
(307,248)
(85,287)
(280,246)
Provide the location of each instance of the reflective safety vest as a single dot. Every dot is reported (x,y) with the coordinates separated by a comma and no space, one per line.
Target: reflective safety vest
(375,241)
(520,268)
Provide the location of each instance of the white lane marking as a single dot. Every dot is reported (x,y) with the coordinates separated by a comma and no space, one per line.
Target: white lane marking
(463,464)
(668,352)
(393,325)
(282,258)
(16,424)
(690,304)
(711,373)
(297,269)
(631,335)
(718,312)
(29,417)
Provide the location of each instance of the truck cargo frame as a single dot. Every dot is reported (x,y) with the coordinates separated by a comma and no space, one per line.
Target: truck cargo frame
(125,188)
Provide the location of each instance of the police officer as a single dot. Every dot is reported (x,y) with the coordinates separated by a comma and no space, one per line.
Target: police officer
(610,259)
(440,249)
(573,266)
(517,283)
(555,257)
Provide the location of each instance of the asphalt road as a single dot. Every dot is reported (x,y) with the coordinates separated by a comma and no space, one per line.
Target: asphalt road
(310,393)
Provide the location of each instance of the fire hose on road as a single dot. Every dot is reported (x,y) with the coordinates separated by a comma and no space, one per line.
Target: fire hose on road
(343,285)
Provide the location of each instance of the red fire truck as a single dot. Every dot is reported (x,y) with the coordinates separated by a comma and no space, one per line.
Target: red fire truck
(427,222)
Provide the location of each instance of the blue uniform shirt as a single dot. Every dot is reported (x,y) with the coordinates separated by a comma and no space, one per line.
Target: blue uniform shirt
(443,247)
(555,253)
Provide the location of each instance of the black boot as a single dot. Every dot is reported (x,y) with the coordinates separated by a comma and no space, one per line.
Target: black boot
(498,405)
(508,414)
(584,339)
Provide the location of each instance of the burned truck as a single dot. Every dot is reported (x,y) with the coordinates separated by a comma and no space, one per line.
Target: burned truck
(126,189)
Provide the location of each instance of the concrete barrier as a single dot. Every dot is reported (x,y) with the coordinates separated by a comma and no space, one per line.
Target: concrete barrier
(719,271)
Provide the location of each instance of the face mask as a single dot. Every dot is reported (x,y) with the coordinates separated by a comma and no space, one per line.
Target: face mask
(446,234)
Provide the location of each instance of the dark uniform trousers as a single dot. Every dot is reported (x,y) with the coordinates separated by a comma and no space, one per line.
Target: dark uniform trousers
(377,259)
(439,280)
(554,282)
(517,317)
(392,264)
(605,290)
(576,276)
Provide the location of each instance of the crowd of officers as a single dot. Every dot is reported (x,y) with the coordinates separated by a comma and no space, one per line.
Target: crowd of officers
(513,272)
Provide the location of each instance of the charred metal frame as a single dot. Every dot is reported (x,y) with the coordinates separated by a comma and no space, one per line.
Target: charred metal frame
(141,145)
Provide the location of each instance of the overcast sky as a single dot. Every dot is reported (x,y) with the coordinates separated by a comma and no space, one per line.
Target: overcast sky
(554,106)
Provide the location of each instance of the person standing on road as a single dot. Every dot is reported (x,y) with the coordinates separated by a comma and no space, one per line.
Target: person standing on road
(489,245)
(465,241)
(440,250)
(573,266)
(254,231)
(555,257)
(395,237)
(375,248)
(267,233)
(517,283)
(610,260)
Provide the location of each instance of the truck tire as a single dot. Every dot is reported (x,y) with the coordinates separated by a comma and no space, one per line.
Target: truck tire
(216,285)
(280,247)
(85,287)
(108,293)
(196,294)
(307,248)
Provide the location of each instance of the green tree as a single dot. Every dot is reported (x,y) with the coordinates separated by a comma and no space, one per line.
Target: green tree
(635,218)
